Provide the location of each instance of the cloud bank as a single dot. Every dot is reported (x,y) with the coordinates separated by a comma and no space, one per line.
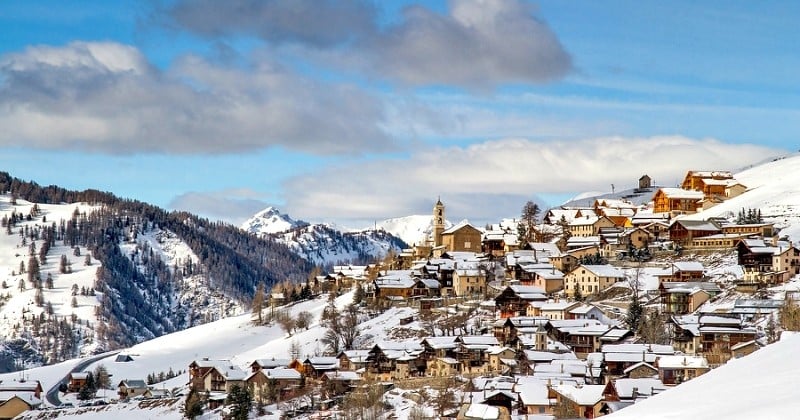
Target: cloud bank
(105,97)
(494,178)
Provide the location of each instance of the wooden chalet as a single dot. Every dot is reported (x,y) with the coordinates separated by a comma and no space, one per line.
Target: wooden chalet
(677,201)
(684,231)
(130,388)
(77,380)
(287,382)
(679,298)
(14,404)
(315,367)
(514,300)
(673,370)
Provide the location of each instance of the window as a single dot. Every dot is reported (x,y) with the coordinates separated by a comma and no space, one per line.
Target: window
(467,244)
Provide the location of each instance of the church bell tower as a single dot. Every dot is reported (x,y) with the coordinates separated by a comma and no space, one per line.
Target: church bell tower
(438,222)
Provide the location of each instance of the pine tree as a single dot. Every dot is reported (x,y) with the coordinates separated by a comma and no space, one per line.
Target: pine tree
(193,406)
(240,401)
(62,267)
(358,294)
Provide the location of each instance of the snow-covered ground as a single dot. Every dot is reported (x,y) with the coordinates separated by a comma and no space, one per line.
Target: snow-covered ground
(762,385)
(17,295)
(234,338)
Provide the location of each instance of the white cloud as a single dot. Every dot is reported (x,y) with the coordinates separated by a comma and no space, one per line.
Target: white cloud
(105,97)
(231,205)
(494,178)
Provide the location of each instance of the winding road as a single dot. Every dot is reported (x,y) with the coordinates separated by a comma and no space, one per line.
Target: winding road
(52,393)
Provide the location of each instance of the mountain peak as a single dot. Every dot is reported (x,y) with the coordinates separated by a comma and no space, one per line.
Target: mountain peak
(269,221)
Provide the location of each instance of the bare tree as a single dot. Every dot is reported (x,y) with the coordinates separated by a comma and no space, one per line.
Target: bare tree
(285,320)
(303,320)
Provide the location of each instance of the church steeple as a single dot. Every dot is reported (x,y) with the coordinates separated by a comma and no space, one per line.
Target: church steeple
(438,222)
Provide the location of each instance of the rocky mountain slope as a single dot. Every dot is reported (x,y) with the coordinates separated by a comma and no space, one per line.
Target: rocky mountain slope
(322,244)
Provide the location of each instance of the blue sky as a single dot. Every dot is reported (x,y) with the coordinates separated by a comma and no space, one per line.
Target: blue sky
(354,111)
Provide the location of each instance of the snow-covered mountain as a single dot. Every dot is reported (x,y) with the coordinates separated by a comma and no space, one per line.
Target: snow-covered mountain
(326,246)
(269,221)
(322,244)
(86,272)
(412,230)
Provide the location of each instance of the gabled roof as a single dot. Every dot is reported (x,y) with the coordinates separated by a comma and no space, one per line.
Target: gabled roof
(586,395)
(638,365)
(27,397)
(682,362)
(462,225)
(230,373)
(441,342)
(281,373)
(342,375)
(532,391)
(643,386)
(478,341)
(697,225)
(690,286)
(271,363)
(133,383)
(688,266)
(638,348)
(681,194)
(323,362)
(604,270)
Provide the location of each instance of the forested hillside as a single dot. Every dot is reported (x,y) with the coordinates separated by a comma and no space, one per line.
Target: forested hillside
(140,295)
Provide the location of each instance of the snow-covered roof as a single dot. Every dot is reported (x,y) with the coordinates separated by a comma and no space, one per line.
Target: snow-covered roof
(356,356)
(396,281)
(133,383)
(229,372)
(323,362)
(281,373)
(681,194)
(342,375)
(638,365)
(441,342)
(688,266)
(643,386)
(638,348)
(586,220)
(558,306)
(28,397)
(547,356)
(482,411)
(478,341)
(549,274)
(604,270)
(532,391)
(457,227)
(682,362)
(583,308)
(690,286)
(272,363)
(586,395)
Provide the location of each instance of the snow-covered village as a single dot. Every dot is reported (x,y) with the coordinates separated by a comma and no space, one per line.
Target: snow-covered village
(656,297)
(399,210)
